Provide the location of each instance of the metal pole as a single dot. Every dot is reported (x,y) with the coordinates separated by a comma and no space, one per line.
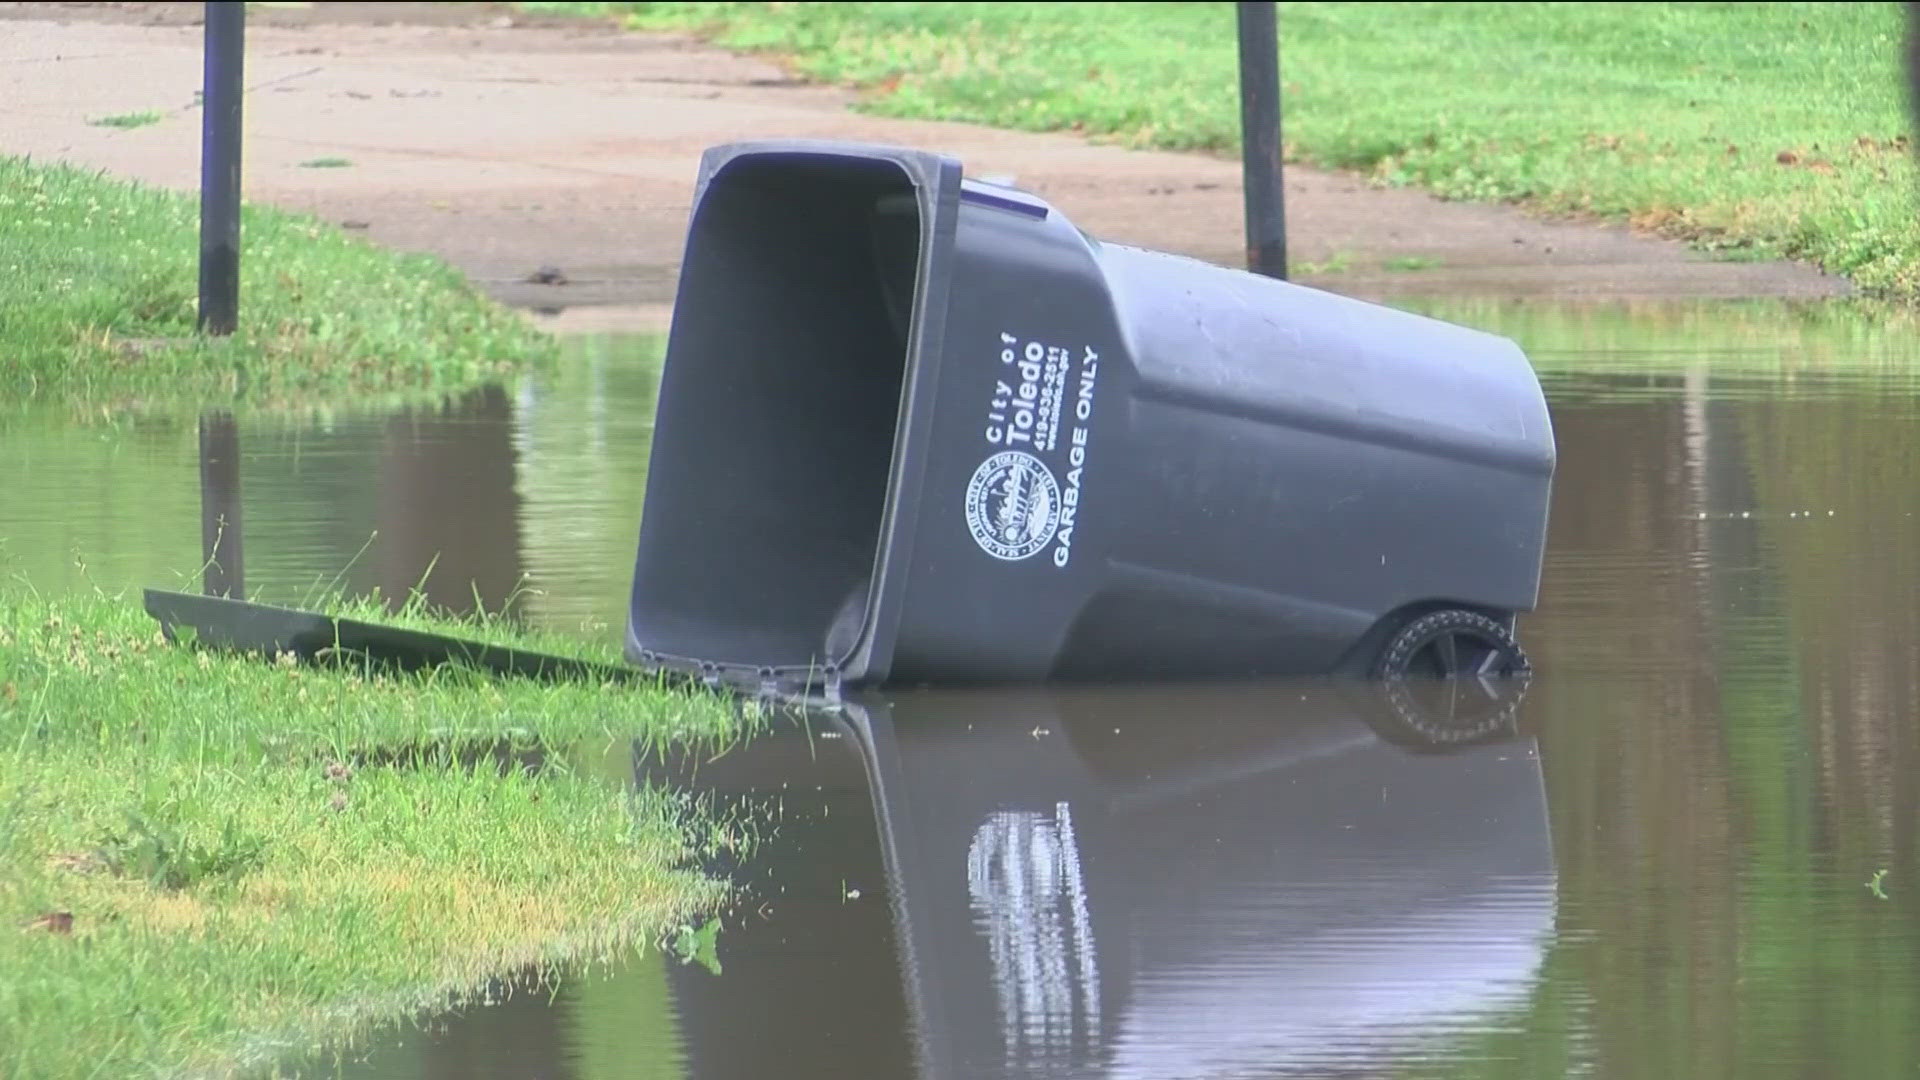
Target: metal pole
(220,167)
(1911,58)
(1260,139)
(226,573)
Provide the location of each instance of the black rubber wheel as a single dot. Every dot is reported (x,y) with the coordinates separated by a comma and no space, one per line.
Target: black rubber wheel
(1454,675)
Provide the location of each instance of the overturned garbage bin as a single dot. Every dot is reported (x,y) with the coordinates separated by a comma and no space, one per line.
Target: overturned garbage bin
(919,429)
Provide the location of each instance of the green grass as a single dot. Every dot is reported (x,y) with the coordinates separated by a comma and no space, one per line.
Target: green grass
(1676,117)
(98,287)
(1337,263)
(209,861)
(326,163)
(127,120)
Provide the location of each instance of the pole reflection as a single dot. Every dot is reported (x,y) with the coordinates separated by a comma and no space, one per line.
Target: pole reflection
(223,569)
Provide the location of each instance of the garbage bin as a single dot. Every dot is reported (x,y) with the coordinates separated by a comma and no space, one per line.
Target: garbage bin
(916,428)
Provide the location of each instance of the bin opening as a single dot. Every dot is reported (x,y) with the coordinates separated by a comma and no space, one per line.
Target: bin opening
(786,359)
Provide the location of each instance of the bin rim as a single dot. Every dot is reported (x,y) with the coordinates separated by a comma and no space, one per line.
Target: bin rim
(937,181)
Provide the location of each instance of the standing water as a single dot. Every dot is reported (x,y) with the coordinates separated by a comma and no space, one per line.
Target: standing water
(1696,855)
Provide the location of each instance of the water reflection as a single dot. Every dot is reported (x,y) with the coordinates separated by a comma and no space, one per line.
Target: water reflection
(221,529)
(1202,882)
(1729,648)
(444,516)
(447,508)
(1137,884)
(522,498)
(1287,880)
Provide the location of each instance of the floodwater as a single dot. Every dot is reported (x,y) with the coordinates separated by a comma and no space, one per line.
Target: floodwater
(1692,853)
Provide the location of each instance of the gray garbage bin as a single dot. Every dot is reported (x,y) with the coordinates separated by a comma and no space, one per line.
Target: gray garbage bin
(914,428)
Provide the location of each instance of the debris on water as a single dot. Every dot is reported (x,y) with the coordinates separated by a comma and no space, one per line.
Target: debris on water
(548,274)
(698,945)
(1877,885)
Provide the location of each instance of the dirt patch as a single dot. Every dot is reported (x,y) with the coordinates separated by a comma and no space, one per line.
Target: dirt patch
(553,160)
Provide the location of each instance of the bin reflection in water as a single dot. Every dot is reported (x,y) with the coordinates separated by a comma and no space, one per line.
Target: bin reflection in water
(1129,884)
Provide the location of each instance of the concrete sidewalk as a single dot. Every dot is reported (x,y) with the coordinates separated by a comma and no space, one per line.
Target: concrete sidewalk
(506,144)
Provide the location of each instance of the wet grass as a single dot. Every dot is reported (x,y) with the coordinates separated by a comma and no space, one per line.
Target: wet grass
(1757,130)
(98,301)
(208,861)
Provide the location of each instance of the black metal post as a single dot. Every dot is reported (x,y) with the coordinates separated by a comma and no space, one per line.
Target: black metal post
(220,545)
(1260,139)
(220,167)
(1910,56)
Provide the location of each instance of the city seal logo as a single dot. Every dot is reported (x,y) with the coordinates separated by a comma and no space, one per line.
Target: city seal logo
(1013,505)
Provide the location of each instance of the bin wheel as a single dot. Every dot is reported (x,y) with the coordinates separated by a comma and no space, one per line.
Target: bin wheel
(1454,675)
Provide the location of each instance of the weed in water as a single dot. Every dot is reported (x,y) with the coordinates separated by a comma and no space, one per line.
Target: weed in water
(1877,884)
(698,944)
(325,163)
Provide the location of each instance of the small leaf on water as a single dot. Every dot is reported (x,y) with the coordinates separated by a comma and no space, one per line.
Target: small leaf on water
(1876,885)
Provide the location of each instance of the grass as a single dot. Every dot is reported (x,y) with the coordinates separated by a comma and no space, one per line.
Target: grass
(127,120)
(209,861)
(98,288)
(1762,130)
(326,163)
(1337,263)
